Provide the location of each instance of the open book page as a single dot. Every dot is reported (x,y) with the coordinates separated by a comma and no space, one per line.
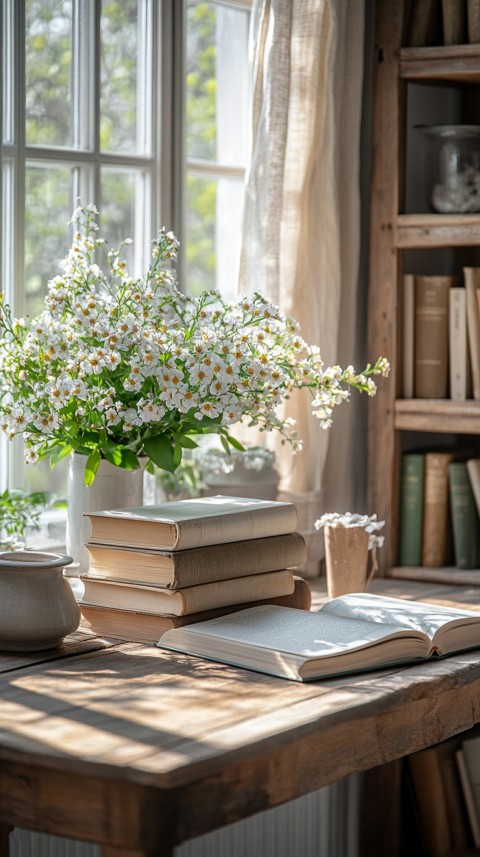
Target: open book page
(295,643)
(449,628)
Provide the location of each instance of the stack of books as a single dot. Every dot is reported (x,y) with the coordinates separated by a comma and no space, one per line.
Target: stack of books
(154,568)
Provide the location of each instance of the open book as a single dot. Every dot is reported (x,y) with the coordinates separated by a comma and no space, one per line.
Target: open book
(351,633)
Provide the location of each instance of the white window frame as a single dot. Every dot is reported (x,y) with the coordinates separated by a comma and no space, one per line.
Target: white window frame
(163,33)
(166,164)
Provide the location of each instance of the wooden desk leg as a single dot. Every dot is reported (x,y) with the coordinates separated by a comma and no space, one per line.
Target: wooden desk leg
(5,831)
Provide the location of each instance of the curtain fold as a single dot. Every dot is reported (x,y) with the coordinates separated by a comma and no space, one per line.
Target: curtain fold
(301,239)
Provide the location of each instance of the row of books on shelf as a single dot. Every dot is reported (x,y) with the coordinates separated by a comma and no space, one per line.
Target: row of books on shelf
(441,336)
(155,568)
(445,782)
(439,521)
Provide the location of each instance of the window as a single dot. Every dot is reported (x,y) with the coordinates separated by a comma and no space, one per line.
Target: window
(93,108)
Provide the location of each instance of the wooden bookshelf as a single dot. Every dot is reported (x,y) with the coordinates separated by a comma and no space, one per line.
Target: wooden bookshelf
(393,232)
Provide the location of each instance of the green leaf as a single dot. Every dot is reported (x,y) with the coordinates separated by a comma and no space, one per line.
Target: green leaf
(225,444)
(177,455)
(120,456)
(161,451)
(91,467)
(235,443)
(186,442)
(62,453)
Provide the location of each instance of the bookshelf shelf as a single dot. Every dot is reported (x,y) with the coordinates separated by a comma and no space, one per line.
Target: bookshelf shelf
(458,63)
(426,231)
(447,574)
(437,415)
(393,234)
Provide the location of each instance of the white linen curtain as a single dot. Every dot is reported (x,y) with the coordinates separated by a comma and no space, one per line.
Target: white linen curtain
(301,239)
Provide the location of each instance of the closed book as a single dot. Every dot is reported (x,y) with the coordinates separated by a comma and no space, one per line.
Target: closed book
(142,627)
(408,335)
(431,336)
(436,510)
(440,799)
(412,478)
(473,470)
(425,23)
(427,778)
(471,754)
(469,796)
(191,599)
(471,278)
(460,375)
(454,19)
(473,21)
(176,569)
(465,518)
(192,523)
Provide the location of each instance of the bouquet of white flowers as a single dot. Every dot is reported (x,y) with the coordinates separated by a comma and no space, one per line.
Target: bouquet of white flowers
(121,368)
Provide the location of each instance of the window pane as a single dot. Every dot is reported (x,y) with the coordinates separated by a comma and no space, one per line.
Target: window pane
(118,210)
(217,83)
(48,209)
(121,75)
(214,217)
(47,237)
(199,251)
(48,72)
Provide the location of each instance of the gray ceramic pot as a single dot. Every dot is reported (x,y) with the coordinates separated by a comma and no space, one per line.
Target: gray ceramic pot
(37,605)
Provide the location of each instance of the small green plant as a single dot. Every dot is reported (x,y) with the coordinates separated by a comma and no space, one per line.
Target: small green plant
(20,512)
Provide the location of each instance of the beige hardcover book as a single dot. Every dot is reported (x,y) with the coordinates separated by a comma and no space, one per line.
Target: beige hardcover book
(408,335)
(427,779)
(469,796)
(191,599)
(192,523)
(176,569)
(472,282)
(459,355)
(473,21)
(473,470)
(436,510)
(351,633)
(454,20)
(440,799)
(141,627)
(425,23)
(431,336)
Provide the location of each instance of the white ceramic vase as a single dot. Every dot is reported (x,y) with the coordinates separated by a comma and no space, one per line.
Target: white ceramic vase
(112,488)
(37,605)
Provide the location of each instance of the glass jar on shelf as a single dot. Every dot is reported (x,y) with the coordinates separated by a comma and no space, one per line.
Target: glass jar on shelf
(454,163)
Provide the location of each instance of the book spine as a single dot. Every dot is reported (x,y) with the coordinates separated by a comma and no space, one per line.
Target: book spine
(218,562)
(454,20)
(470,800)
(473,470)
(411,509)
(431,336)
(408,335)
(424,24)
(460,387)
(465,519)
(473,325)
(427,779)
(473,21)
(193,599)
(436,515)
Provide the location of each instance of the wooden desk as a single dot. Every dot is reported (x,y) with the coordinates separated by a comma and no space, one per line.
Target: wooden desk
(138,749)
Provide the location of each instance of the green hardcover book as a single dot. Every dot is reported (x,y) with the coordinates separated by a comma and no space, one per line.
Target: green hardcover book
(412,479)
(465,518)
